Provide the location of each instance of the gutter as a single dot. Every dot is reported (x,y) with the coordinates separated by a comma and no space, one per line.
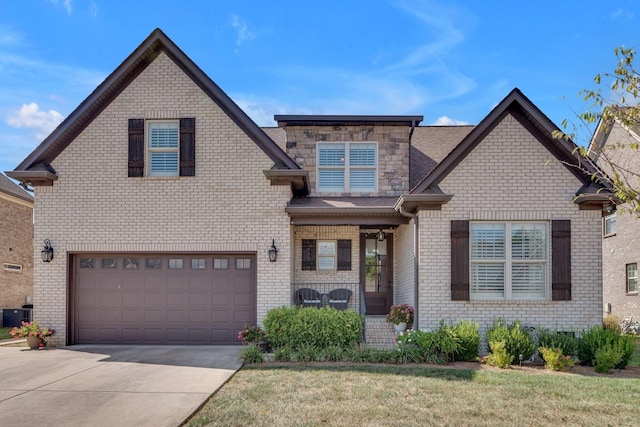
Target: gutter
(416,246)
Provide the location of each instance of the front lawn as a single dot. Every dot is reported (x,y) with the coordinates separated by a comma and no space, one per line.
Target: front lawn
(354,395)
(4,333)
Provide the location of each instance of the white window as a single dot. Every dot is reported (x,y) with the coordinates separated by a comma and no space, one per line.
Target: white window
(508,260)
(347,167)
(632,278)
(163,147)
(609,227)
(326,255)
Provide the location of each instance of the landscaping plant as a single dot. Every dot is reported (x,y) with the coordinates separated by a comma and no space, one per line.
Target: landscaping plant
(401,313)
(252,354)
(555,360)
(499,356)
(32,329)
(437,346)
(251,334)
(517,341)
(550,338)
(468,338)
(318,327)
(612,343)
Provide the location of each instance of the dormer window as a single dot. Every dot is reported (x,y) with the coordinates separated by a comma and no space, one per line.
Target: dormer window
(347,167)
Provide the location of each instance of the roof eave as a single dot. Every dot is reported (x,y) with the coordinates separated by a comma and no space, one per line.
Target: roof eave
(428,201)
(298,179)
(33,178)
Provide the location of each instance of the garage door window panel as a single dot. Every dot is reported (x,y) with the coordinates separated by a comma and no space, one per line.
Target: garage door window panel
(175,263)
(198,263)
(154,263)
(109,263)
(220,263)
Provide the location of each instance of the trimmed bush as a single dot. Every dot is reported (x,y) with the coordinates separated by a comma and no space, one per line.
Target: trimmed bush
(468,337)
(550,338)
(611,340)
(517,340)
(436,346)
(499,356)
(555,360)
(320,328)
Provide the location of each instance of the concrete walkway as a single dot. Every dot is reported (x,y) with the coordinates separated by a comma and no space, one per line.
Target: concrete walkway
(110,385)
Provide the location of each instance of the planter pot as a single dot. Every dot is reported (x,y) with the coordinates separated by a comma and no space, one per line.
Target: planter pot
(400,327)
(33,343)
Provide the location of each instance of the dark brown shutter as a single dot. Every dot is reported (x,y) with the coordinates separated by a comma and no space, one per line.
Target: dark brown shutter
(308,254)
(188,147)
(136,147)
(561,260)
(344,255)
(459,260)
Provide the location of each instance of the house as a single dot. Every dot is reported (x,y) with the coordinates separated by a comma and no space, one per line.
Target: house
(16,246)
(175,219)
(612,142)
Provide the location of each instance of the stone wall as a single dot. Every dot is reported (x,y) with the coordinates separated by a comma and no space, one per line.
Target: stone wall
(393,153)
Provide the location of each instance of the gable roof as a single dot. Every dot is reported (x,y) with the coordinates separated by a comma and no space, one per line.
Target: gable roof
(430,145)
(535,121)
(9,187)
(36,167)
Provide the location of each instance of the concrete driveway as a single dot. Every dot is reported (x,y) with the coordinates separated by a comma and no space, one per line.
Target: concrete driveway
(88,385)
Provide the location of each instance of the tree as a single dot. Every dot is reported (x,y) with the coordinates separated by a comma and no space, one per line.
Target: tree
(612,156)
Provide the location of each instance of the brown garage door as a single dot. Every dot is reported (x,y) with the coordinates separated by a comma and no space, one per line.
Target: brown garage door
(162,299)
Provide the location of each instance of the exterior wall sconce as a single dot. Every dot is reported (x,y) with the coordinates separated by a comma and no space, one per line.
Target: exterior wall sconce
(381,236)
(273,251)
(47,252)
(609,209)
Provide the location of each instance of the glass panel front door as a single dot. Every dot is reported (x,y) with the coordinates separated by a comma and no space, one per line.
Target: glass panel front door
(376,276)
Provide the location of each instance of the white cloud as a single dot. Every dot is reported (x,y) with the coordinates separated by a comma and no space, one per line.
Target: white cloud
(67,4)
(447,121)
(93,9)
(31,117)
(243,30)
(621,14)
(9,38)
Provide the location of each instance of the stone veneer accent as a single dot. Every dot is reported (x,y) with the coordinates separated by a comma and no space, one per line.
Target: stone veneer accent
(393,153)
(16,247)
(94,207)
(507,178)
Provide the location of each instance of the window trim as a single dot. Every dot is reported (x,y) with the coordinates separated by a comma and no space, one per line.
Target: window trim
(330,248)
(612,215)
(628,278)
(508,262)
(346,167)
(148,150)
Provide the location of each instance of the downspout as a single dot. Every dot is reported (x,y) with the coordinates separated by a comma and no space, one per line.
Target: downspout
(416,246)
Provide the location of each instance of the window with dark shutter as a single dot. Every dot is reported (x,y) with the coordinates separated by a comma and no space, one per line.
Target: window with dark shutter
(308,254)
(459,260)
(187,147)
(344,255)
(561,260)
(136,147)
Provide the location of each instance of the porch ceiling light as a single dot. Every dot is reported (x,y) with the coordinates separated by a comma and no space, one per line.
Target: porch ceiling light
(47,252)
(273,251)
(380,236)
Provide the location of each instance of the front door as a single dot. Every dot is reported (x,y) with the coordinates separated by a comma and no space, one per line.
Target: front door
(376,272)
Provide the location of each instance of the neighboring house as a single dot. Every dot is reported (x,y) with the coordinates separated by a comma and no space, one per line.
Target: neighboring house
(620,227)
(16,245)
(162,200)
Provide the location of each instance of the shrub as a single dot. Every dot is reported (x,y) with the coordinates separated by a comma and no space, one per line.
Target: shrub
(555,360)
(333,353)
(359,353)
(598,337)
(550,338)
(606,358)
(468,338)
(436,346)
(517,340)
(499,355)
(306,353)
(320,328)
(251,334)
(282,354)
(252,354)
(611,322)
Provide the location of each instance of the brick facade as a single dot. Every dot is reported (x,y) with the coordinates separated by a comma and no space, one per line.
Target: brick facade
(16,247)
(510,176)
(228,205)
(624,247)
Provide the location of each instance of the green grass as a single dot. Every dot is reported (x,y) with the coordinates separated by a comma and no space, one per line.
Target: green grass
(4,333)
(353,395)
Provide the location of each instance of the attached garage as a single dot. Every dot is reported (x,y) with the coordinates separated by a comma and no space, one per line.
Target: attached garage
(162,298)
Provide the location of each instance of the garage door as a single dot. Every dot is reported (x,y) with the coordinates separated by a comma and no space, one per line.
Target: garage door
(162,299)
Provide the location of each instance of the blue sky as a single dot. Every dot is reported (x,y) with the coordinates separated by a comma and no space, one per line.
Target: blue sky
(450,61)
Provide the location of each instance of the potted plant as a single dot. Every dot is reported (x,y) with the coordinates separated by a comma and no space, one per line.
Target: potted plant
(35,335)
(401,316)
(254,335)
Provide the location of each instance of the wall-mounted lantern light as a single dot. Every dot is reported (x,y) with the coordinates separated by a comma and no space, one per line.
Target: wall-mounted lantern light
(381,236)
(47,252)
(273,251)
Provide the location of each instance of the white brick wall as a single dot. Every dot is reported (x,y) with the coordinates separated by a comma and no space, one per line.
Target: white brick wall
(507,177)
(228,206)
(404,266)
